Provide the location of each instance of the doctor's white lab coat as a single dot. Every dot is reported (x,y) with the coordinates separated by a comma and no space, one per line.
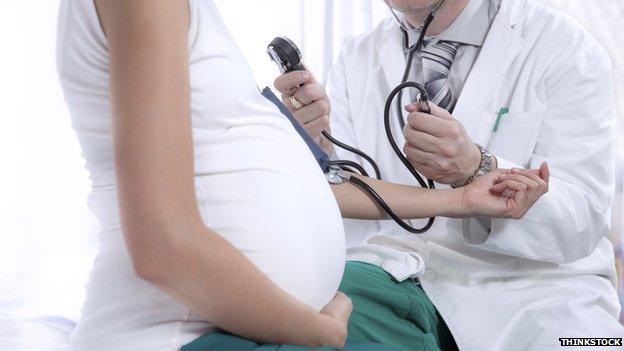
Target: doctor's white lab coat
(504,284)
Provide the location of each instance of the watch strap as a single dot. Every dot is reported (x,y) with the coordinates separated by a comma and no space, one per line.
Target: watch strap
(485,166)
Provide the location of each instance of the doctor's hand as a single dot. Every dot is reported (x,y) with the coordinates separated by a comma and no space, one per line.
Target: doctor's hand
(438,146)
(308,102)
(505,193)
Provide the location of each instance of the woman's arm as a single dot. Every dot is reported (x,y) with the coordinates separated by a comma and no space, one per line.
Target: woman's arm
(167,241)
(406,201)
(499,194)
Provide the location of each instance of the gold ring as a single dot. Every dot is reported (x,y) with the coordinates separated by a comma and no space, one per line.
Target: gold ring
(296,102)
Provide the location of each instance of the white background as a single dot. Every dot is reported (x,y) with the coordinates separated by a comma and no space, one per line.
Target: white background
(46,232)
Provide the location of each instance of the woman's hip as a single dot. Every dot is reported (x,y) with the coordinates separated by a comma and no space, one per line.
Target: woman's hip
(121,310)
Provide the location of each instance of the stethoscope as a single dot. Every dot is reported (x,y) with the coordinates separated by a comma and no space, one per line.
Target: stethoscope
(288,58)
(412,51)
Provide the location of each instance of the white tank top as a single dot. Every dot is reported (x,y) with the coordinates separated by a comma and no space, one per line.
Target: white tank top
(257,184)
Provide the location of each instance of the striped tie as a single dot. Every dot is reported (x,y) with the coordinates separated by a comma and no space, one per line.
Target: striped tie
(437,60)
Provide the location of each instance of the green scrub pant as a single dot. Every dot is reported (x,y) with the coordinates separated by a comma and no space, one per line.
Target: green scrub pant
(393,313)
(227,342)
(385,312)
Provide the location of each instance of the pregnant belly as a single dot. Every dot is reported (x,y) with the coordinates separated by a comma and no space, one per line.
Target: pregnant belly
(287,225)
(278,211)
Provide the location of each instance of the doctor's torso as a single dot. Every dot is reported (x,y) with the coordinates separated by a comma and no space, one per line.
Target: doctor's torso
(509,73)
(525,66)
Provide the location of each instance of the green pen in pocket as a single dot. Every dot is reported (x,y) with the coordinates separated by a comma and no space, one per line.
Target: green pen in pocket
(503,111)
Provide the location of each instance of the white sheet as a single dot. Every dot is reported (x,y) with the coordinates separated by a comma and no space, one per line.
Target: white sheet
(35,333)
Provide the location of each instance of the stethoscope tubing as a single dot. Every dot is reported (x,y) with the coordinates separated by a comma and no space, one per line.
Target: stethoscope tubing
(423,98)
(354,167)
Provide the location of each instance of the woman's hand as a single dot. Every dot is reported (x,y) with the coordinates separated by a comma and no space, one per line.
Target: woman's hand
(336,319)
(505,193)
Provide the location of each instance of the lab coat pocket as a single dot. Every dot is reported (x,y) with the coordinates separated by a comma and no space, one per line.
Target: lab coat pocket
(513,138)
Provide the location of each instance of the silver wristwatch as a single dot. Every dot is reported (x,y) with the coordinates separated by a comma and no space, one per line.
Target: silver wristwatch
(485,167)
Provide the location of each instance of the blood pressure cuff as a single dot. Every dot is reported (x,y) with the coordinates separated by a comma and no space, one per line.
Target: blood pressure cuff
(319,154)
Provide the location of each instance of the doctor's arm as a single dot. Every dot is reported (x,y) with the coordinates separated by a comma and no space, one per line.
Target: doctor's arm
(576,139)
(167,241)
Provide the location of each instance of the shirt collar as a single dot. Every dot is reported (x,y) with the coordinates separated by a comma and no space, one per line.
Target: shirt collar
(470,27)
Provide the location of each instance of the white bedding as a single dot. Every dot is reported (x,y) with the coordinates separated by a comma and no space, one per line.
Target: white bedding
(34,333)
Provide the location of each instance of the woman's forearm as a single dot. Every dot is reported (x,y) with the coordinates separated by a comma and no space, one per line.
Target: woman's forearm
(206,273)
(408,202)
